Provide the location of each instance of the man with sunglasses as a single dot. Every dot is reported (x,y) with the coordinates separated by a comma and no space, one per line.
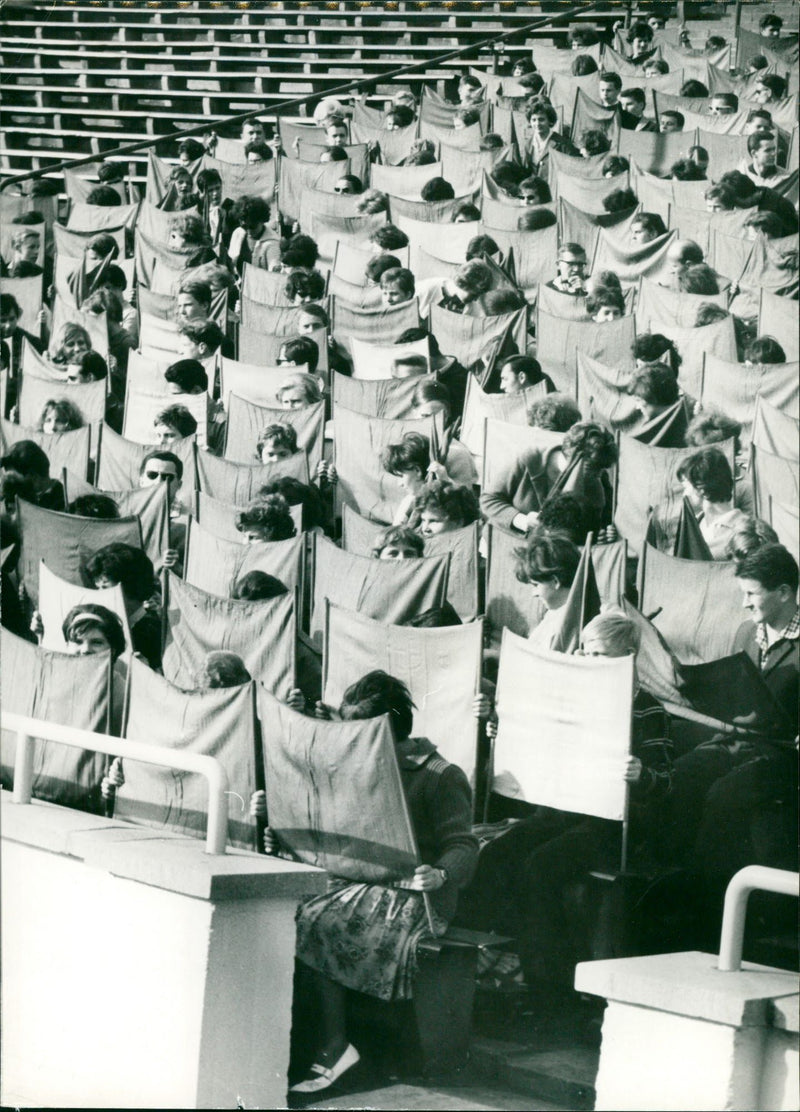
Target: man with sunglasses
(159,466)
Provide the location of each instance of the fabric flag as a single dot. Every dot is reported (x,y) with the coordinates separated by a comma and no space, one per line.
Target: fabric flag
(786,523)
(214,565)
(143,407)
(219,517)
(392,591)
(262,633)
(93,218)
(673,306)
(630,261)
(367,125)
(389,399)
(572,761)
(359,442)
(771,267)
(334,794)
(734,388)
(383,325)
(119,461)
(358,536)
(773,478)
(450,244)
(653,151)
(256,383)
(71,243)
(777,316)
(95,324)
(68,450)
(732,689)
(480,407)
(434,212)
(534,254)
(441,668)
(510,604)
(647,478)
(775,431)
(69,690)
(404,181)
(374,361)
(657,668)
(66,542)
(467,337)
(690,544)
(246,421)
(583,604)
(239,482)
(667,429)
(34,393)
(694,345)
(603,393)
(588,115)
(294,177)
(698,604)
(57,597)
(27,292)
(559,342)
(218,723)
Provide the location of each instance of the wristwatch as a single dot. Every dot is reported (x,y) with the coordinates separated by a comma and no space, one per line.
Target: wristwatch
(444,872)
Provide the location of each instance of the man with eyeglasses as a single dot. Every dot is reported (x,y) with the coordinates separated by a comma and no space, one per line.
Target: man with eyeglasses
(164,467)
(571,270)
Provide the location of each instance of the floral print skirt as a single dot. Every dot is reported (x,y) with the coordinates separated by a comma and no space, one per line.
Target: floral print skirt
(364,936)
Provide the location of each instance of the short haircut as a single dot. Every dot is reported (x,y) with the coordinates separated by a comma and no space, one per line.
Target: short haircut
(372,201)
(655,384)
(686,169)
(615,164)
(398,534)
(282,436)
(263,152)
(775,83)
(620,200)
(707,312)
(305,382)
(592,443)
(571,249)
(758,139)
(94,365)
(207,179)
(401,115)
(378,265)
(651,347)
(104,245)
(412,451)
(764,349)
(466,209)
(188,375)
(110,172)
(564,513)
(635,93)
(130,567)
(730,100)
(400,277)
(678,117)
(100,506)
(206,332)
(192,149)
(270,516)
(258,585)
(651,222)
(605,298)
(609,77)
(317,312)
(768,223)
(772,566)
(165,457)
(305,495)
(437,189)
(523,365)
(429,389)
(88,616)
(537,187)
(709,426)
(496,302)
(699,278)
(481,245)
(693,88)
(710,473)
(419,333)
(557,412)
(770,20)
(9,306)
(389,238)
(456,504)
(104,195)
(378,693)
(177,417)
(594,141)
(541,108)
(474,276)
(221,669)
(250,210)
(583,65)
(299,250)
(639,30)
(536,219)
(301,350)
(750,534)
(618,633)
(305,283)
(198,291)
(547,555)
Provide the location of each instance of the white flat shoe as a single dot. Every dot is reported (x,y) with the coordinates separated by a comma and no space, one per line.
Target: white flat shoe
(325,1077)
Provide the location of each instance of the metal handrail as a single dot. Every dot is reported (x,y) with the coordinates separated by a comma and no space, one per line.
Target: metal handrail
(28,729)
(750,879)
(295,102)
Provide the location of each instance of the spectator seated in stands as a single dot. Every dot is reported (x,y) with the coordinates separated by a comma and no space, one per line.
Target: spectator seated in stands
(570,270)
(298,252)
(105,196)
(29,461)
(180,194)
(410,462)
(132,569)
(300,494)
(761,165)
(583,65)
(221,669)
(443,507)
(605,305)
(470,90)
(395,917)
(200,339)
(159,466)
(693,89)
(188,233)
(173,423)
(298,390)
(268,519)
(59,416)
(398,117)
(253,240)
(26,243)
(620,201)
(465,117)
(655,66)
(72,350)
(437,189)
(349,184)
(764,349)
(632,102)
(470,281)
(708,484)
(397,286)
(534,191)
(304,285)
(770,88)
(681,254)
(465,213)
(750,535)
(398,542)
(421,153)
(377,267)
(257,585)
(646,227)
(652,347)
(542,136)
(655,388)
(672,120)
(609,86)
(386,239)
(186,376)
(615,164)
(723,104)
(535,220)
(300,351)
(13,338)
(593,142)
(687,169)
(217,212)
(770,26)
(192,302)
(102,507)
(518,372)
(640,42)
(276,442)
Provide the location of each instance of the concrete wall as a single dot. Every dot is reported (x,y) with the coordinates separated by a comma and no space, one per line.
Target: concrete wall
(138,971)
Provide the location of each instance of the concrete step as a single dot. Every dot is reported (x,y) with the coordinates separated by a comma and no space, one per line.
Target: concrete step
(563,1075)
(465,1097)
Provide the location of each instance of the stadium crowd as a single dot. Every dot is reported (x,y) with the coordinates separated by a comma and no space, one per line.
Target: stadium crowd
(522,355)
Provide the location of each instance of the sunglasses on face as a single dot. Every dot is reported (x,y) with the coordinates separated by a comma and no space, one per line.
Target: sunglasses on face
(164,476)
